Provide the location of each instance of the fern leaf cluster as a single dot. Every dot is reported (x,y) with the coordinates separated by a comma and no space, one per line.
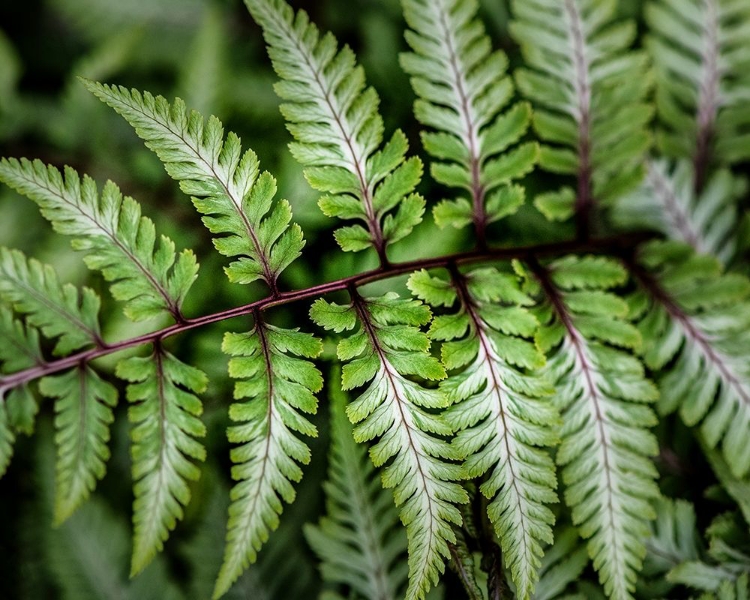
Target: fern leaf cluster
(278,383)
(463,87)
(604,398)
(118,241)
(589,93)
(690,313)
(400,414)
(507,369)
(501,413)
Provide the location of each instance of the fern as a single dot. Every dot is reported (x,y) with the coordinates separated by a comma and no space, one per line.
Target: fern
(690,313)
(83,416)
(500,412)
(56,310)
(385,349)
(590,94)
(279,386)
(541,348)
(357,543)
(668,203)
(562,564)
(117,240)
(462,87)
(603,397)
(224,183)
(738,488)
(338,130)
(164,412)
(698,50)
(19,350)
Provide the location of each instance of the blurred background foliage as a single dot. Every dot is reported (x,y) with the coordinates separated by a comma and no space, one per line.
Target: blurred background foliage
(211,54)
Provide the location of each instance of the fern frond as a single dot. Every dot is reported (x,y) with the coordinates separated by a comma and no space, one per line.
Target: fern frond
(83,410)
(667,202)
(562,564)
(164,414)
(674,537)
(57,310)
(118,241)
(501,414)
(731,590)
(19,350)
(463,87)
(225,185)
(359,542)
(279,385)
(697,321)
(602,394)
(726,565)
(738,488)
(338,130)
(385,349)
(699,51)
(588,90)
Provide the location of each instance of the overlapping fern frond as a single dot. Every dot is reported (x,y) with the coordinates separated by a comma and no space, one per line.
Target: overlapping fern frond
(463,88)
(697,320)
(58,311)
(224,183)
(589,93)
(279,384)
(20,350)
(118,241)
(401,414)
(164,412)
(603,395)
(359,542)
(502,414)
(668,203)
(335,121)
(699,49)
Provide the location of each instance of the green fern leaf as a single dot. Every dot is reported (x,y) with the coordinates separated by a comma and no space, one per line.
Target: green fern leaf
(667,202)
(338,130)
(589,94)
(385,349)
(117,240)
(562,564)
(700,54)
(83,415)
(19,350)
(697,321)
(164,412)
(501,414)
(602,395)
(737,488)
(674,537)
(359,542)
(732,590)
(57,310)
(225,184)
(279,385)
(462,88)
(7,438)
